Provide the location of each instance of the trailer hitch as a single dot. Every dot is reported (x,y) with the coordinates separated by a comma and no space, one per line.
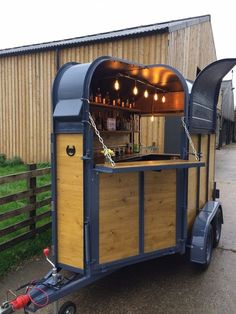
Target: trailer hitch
(20,302)
(6,308)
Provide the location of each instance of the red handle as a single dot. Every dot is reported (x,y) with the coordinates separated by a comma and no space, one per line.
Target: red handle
(20,302)
(46,252)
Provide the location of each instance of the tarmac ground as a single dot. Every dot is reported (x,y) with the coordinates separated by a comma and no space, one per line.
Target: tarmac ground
(165,285)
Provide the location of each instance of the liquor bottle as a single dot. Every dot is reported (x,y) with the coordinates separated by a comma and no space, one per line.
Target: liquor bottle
(133,103)
(91,97)
(107,98)
(118,100)
(128,124)
(118,121)
(99,95)
(99,123)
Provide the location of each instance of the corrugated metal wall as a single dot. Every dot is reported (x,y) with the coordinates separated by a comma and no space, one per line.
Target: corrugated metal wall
(26,80)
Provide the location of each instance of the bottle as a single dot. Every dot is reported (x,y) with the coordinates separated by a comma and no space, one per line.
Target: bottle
(118,100)
(118,121)
(91,97)
(133,103)
(98,96)
(128,124)
(99,123)
(107,98)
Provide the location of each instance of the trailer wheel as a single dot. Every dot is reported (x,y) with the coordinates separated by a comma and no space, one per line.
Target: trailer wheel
(208,250)
(67,308)
(217,224)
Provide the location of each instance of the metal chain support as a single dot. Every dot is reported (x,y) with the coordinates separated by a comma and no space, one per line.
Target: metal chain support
(190,140)
(105,149)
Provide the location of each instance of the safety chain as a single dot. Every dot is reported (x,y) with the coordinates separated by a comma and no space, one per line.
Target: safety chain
(190,140)
(105,149)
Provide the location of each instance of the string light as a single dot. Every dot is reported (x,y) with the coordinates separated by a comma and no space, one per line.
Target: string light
(117,85)
(135,89)
(152,118)
(155,96)
(163,99)
(146,93)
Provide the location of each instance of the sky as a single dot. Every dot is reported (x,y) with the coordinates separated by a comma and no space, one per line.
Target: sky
(24,22)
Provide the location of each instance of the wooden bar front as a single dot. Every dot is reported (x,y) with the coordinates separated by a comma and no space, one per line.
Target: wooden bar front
(119,213)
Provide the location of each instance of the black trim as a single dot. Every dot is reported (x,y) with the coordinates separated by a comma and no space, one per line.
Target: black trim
(141,212)
(198,174)
(207,165)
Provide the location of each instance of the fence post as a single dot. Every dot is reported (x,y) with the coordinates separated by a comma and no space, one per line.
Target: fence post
(32,199)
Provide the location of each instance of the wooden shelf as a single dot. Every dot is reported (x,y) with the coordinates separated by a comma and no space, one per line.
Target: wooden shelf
(115,107)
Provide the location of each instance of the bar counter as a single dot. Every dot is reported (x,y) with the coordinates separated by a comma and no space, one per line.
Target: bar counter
(131,166)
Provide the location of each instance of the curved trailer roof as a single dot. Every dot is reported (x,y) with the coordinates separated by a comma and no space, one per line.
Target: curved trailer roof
(72,84)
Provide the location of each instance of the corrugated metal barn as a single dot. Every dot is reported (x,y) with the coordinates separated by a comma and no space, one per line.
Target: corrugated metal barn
(225,115)
(27,73)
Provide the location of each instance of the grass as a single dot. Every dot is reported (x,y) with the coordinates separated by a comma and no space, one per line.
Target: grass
(12,256)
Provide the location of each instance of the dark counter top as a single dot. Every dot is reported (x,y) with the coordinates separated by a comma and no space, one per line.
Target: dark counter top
(140,165)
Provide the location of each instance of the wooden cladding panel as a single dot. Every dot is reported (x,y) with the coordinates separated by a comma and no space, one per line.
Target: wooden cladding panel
(203,171)
(26,81)
(118,216)
(25,105)
(159,210)
(70,207)
(152,132)
(192,187)
(190,48)
(147,49)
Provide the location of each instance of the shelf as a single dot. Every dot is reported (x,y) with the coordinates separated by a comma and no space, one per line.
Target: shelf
(116,131)
(114,107)
(148,166)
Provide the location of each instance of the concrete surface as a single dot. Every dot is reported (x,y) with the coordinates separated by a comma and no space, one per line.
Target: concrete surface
(166,285)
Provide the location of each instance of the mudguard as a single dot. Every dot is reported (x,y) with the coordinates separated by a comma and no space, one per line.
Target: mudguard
(199,232)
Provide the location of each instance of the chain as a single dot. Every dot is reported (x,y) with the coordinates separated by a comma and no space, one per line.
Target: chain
(105,149)
(190,140)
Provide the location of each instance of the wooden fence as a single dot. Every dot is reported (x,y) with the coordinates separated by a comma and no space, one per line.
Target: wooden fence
(24,222)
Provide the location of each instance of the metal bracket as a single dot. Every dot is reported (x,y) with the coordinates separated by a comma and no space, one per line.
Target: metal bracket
(198,154)
(86,157)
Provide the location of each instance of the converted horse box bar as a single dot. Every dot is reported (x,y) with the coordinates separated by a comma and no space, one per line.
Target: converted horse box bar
(116,202)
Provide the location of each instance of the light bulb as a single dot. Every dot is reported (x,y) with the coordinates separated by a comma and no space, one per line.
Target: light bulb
(152,118)
(163,99)
(155,97)
(146,93)
(135,90)
(117,85)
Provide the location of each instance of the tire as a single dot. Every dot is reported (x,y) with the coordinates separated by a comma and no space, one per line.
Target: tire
(68,308)
(217,225)
(208,249)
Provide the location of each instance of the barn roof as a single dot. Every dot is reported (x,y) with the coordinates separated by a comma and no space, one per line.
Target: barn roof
(165,27)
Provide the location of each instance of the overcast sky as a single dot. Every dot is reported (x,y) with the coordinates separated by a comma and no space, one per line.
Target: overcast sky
(24,22)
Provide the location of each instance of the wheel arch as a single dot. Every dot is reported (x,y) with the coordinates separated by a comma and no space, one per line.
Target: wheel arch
(200,229)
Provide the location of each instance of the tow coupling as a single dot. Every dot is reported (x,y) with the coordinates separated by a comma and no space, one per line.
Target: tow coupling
(23,300)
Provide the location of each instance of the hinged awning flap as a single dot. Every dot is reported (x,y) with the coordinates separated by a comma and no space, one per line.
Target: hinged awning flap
(204,96)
